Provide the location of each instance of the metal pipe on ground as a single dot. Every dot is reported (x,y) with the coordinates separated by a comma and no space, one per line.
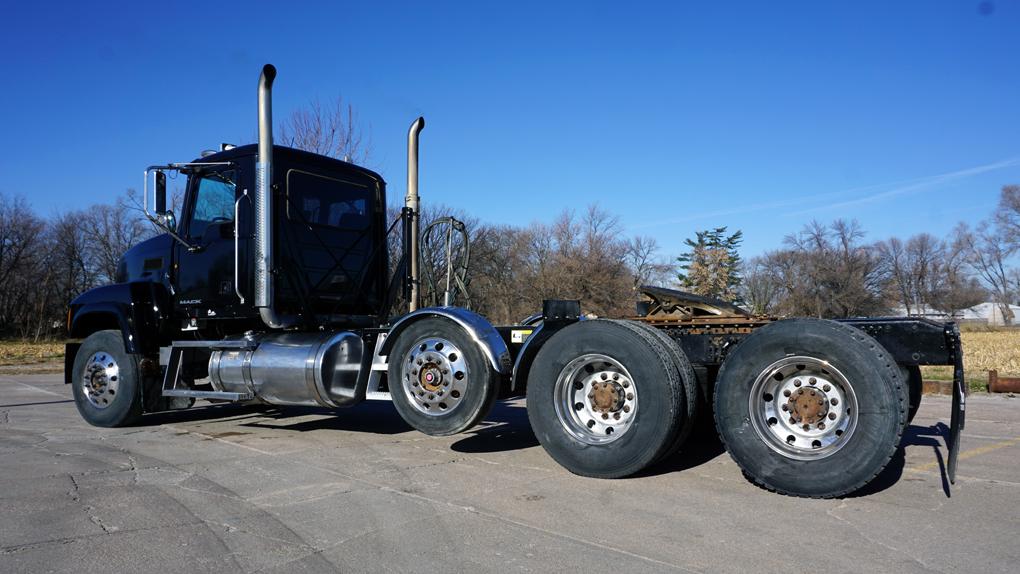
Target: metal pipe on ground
(997,384)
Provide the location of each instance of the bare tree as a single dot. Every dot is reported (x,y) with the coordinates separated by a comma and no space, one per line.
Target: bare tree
(110,231)
(916,269)
(827,272)
(988,254)
(956,290)
(329,129)
(760,288)
(21,248)
(647,268)
(1007,215)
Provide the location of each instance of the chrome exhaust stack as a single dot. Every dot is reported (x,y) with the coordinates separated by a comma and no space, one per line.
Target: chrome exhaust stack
(264,205)
(411,202)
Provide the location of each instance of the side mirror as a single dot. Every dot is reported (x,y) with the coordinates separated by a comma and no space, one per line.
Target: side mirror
(167,219)
(160,193)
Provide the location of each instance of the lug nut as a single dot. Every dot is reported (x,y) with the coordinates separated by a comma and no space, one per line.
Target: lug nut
(812,380)
(786,393)
(603,376)
(616,377)
(821,402)
(630,396)
(625,383)
(834,401)
(616,416)
(626,408)
(785,407)
(826,388)
(807,427)
(605,416)
(812,393)
(832,416)
(821,426)
(796,383)
(792,421)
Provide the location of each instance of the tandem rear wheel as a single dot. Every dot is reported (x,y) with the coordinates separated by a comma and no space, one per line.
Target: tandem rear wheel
(608,398)
(812,408)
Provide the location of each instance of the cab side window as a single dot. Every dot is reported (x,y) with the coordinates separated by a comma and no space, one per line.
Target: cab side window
(214,202)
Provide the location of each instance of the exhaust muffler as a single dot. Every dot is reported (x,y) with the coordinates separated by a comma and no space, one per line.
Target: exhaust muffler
(412,203)
(264,291)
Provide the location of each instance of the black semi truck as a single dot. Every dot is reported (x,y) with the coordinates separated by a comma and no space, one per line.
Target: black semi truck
(274,287)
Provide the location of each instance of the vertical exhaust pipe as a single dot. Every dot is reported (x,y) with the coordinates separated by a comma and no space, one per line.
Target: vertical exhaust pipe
(264,204)
(412,203)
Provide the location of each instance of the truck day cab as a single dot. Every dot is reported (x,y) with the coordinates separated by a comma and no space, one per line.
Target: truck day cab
(274,287)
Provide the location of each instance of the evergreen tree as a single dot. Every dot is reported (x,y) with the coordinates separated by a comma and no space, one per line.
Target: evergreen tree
(712,266)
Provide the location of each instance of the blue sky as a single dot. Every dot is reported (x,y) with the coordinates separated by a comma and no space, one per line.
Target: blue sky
(677,116)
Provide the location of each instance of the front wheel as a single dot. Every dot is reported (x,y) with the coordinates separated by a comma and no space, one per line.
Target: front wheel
(440,381)
(810,408)
(105,380)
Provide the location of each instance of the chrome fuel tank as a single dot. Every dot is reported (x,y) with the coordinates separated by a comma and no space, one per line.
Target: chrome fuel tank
(310,369)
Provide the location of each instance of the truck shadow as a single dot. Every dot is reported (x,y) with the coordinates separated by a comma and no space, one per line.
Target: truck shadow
(368,417)
(915,435)
(505,429)
(373,417)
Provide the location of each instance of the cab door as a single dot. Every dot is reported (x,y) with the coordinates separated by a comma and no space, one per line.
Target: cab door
(204,274)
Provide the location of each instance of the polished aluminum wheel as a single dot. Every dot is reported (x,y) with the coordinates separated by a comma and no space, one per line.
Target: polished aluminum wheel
(595,398)
(101,379)
(435,376)
(803,408)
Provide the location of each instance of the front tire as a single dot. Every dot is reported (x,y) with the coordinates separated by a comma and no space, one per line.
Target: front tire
(810,408)
(606,399)
(105,380)
(440,381)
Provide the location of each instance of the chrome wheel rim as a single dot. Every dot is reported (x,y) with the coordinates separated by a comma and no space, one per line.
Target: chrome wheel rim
(435,376)
(101,380)
(803,408)
(595,398)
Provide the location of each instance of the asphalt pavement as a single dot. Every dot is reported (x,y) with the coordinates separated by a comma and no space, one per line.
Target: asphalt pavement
(241,489)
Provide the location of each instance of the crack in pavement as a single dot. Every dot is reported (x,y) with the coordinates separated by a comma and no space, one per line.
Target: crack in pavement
(75,494)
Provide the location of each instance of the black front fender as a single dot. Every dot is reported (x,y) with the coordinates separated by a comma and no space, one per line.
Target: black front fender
(140,310)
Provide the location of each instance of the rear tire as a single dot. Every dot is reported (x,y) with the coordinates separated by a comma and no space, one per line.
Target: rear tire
(687,377)
(105,380)
(440,381)
(810,408)
(605,398)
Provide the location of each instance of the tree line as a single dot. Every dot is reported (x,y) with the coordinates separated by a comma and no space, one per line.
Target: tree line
(829,270)
(47,261)
(823,270)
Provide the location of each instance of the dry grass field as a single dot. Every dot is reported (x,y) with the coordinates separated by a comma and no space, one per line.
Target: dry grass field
(22,353)
(983,350)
